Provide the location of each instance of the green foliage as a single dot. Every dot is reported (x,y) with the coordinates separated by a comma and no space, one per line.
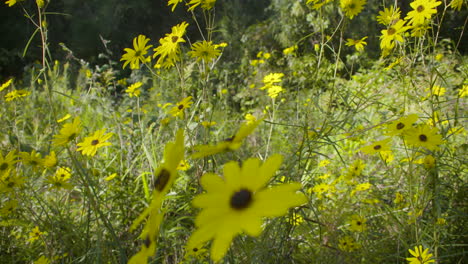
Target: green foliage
(376,184)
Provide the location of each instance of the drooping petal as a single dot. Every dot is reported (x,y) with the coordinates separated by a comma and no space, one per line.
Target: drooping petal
(250,172)
(252,225)
(277,200)
(223,239)
(212,182)
(232,174)
(267,170)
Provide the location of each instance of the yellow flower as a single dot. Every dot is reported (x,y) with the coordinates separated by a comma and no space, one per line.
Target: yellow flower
(134,89)
(436,91)
(68,132)
(196,252)
(358,43)
(361,187)
(393,64)
(35,234)
(271,79)
(60,179)
(424,136)
(295,219)
(137,54)
(178,109)
(174,3)
(358,223)
(352,7)
(34,159)
(420,256)
(456,4)
(399,198)
(207,124)
(166,174)
(238,202)
(399,126)
(9,181)
(463,92)
(389,16)
(387,156)
(318,3)
(8,162)
(274,90)
(11,3)
(418,30)
(205,51)
(40,3)
(348,244)
(355,169)
(250,119)
(42,260)
(392,34)
(16,94)
(269,83)
(441,221)
(321,189)
(324,163)
(229,144)
(429,161)
(290,50)
(50,160)
(168,50)
(183,165)
(5,85)
(8,207)
(205,4)
(90,144)
(422,11)
(376,147)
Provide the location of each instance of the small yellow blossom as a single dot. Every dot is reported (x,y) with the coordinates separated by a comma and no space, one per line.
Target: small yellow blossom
(35,234)
(134,89)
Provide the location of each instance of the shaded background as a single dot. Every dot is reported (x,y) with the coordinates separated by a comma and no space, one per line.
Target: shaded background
(273,24)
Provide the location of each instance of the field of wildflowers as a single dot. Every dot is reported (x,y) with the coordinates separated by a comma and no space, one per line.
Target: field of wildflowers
(194,151)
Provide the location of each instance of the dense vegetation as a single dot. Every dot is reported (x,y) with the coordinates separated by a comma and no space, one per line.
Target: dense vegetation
(314,131)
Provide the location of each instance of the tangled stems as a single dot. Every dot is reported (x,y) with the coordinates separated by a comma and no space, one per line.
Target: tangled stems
(90,192)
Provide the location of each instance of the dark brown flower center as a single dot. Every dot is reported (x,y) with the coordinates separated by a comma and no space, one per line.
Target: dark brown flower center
(229,139)
(11,184)
(180,107)
(391,31)
(400,126)
(377,147)
(195,249)
(95,142)
(174,39)
(72,136)
(162,179)
(4,166)
(358,223)
(241,199)
(423,138)
(420,8)
(147,241)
